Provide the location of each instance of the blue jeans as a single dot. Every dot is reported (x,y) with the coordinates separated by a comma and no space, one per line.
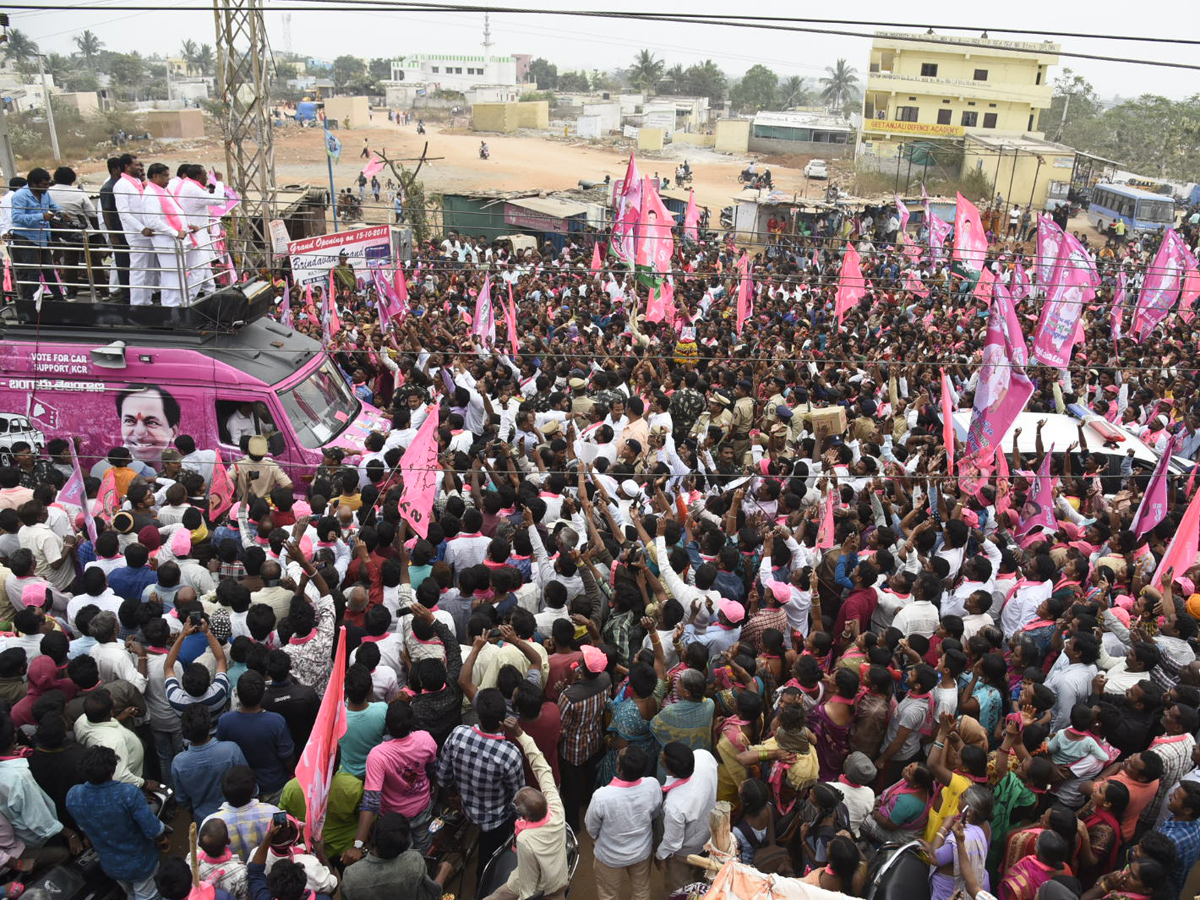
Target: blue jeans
(167,744)
(422,840)
(143,888)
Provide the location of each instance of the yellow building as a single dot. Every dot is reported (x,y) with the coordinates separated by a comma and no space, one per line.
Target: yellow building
(934,88)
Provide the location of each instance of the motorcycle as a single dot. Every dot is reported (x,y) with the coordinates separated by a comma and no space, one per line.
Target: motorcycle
(484,153)
(683,178)
(898,872)
(82,878)
(756,180)
(504,862)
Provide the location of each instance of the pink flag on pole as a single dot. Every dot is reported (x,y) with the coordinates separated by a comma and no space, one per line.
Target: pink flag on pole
(1116,315)
(627,207)
(329,317)
(655,243)
(1010,325)
(309,306)
(691,219)
(285,308)
(1039,505)
(948,421)
(915,286)
(8,279)
(970,240)
(314,771)
(1162,284)
(983,287)
(656,307)
(825,533)
(1188,293)
(484,326)
(745,298)
(1073,287)
(912,252)
(107,499)
(419,468)
(220,492)
(596,263)
(74,493)
(1049,243)
(939,230)
(510,320)
(1021,288)
(1181,552)
(1002,389)
(852,287)
(373,167)
(1153,508)
(902,210)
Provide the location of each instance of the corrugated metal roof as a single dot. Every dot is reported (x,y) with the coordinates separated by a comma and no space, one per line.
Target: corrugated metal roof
(551,206)
(819,121)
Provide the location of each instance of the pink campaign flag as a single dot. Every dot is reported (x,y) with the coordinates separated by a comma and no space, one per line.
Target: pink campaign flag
(373,167)
(1039,505)
(825,533)
(912,252)
(691,219)
(903,212)
(285,308)
(1021,288)
(107,500)
(314,771)
(656,305)
(1073,287)
(484,320)
(1162,284)
(970,240)
(1010,325)
(329,317)
(915,286)
(510,321)
(419,468)
(983,287)
(1002,389)
(597,265)
(627,207)
(1116,315)
(1153,508)
(655,243)
(948,421)
(852,287)
(1188,293)
(938,232)
(74,493)
(1181,552)
(1049,243)
(745,299)
(220,492)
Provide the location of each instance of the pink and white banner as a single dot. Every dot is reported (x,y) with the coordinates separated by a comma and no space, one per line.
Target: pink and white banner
(1073,287)
(1049,242)
(970,240)
(1039,504)
(745,299)
(1116,315)
(421,473)
(938,232)
(1153,508)
(1010,325)
(655,243)
(691,219)
(902,210)
(1162,284)
(1002,389)
(484,321)
(626,210)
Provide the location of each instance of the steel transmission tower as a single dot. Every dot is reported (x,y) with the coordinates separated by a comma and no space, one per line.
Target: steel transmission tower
(243,84)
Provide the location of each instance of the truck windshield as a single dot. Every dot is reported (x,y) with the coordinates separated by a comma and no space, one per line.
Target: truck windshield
(320,407)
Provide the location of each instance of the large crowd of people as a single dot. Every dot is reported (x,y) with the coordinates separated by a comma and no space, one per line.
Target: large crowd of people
(668,564)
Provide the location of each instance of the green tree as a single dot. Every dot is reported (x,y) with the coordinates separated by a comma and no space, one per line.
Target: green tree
(839,88)
(706,80)
(380,69)
(190,51)
(1083,106)
(206,60)
(544,74)
(59,67)
(646,71)
(348,70)
(793,92)
(675,78)
(605,81)
(89,46)
(572,82)
(20,50)
(756,90)
(127,70)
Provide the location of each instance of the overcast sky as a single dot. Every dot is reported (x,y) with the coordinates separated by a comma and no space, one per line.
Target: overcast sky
(577,42)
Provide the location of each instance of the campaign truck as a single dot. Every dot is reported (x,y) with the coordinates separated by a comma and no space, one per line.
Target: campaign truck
(139,377)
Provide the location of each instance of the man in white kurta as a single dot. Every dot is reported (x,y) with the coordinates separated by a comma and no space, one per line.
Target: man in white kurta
(127,192)
(193,199)
(163,220)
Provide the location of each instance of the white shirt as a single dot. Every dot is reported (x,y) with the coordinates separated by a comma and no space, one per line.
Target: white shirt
(107,601)
(114,661)
(686,805)
(860,800)
(128,200)
(6,224)
(1021,607)
(620,820)
(918,617)
(201,462)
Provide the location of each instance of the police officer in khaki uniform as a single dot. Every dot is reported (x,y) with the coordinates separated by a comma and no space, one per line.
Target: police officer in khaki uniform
(256,473)
(717,415)
(743,420)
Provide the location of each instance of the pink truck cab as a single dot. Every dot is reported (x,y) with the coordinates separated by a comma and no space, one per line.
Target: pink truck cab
(139,377)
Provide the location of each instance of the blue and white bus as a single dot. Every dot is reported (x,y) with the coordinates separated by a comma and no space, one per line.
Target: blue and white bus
(1140,210)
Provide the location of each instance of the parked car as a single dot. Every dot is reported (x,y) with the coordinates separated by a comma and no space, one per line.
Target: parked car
(816,168)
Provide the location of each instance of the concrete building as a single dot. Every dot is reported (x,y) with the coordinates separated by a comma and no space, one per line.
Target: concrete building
(356,109)
(175,123)
(451,72)
(940,87)
(1024,170)
(804,132)
(85,103)
(733,136)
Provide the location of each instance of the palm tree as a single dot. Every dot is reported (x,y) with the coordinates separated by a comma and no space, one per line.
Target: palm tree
(646,72)
(189,52)
(793,92)
(59,67)
(19,48)
(89,45)
(706,80)
(205,59)
(675,76)
(840,86)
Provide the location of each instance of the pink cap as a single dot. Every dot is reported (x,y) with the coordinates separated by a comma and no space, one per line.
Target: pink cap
(181,542)
(34,594)
(1072,531)
(1189,586)
(1122,616)
(594,659)
(732,611)
(782,592)
(1123,601)
(301,508)
(971,518)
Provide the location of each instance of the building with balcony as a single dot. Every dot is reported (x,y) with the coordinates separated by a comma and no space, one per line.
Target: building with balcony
(942,88)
